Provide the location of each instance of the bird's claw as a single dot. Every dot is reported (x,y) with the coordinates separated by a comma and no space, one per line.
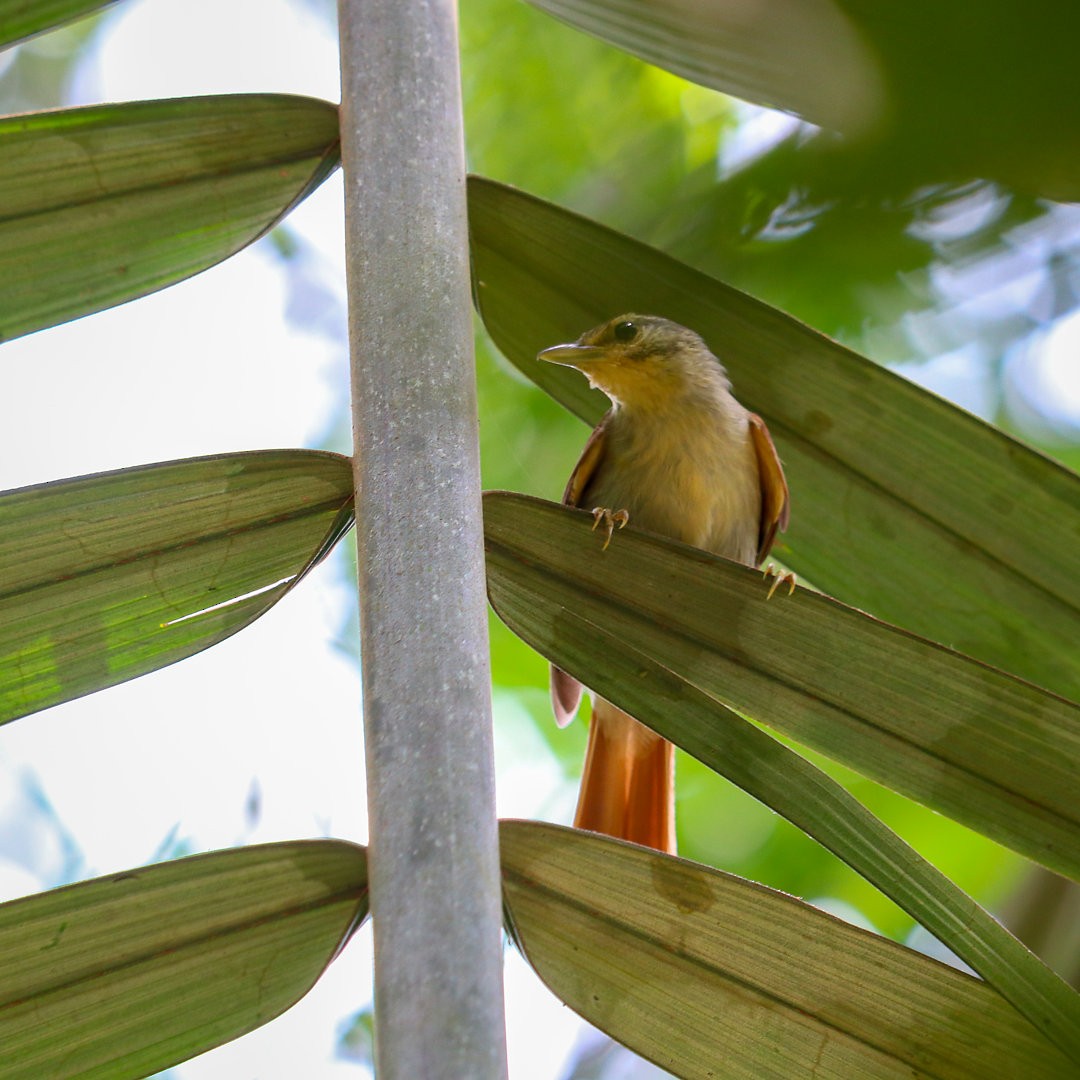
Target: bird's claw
(610,518)
(778,579)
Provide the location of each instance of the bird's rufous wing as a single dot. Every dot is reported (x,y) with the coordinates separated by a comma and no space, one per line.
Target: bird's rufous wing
(775,503)
(565,689)
(587,465)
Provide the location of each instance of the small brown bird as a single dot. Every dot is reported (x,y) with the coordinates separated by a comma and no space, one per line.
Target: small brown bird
(676,454)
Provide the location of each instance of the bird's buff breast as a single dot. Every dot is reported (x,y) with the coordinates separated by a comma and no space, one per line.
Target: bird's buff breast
(687,477)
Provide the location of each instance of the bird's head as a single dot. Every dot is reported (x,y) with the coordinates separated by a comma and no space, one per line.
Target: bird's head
(642,361)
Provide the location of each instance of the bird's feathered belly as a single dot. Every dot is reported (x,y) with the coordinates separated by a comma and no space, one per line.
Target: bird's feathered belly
(691,479)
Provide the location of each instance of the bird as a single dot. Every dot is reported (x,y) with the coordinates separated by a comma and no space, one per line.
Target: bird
(677,455)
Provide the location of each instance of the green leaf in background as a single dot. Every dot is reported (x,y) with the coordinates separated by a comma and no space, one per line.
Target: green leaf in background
(584,634)
(106,577)
(21,19)
(996,753)
(805,57)
(131,973)
(690,967)
(100,205)
(916,87)
(901,503)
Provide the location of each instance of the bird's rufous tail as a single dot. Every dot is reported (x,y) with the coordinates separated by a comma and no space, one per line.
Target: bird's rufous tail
(628,785)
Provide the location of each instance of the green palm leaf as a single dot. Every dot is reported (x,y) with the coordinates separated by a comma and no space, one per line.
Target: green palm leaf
(131,973)
(106,577)
(20,19)
(691,967)
(100,205)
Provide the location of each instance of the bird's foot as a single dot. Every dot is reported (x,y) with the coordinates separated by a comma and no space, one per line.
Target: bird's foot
(778,579)
(610,518)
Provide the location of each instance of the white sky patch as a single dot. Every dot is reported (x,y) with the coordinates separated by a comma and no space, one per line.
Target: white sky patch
(545,1031)
(1052,380)
(758,131)
(176,48)
(207,366)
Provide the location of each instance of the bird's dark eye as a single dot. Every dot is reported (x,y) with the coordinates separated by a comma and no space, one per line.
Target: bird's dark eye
(625,331)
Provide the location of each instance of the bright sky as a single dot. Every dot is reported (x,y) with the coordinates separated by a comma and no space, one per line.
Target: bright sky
(208,366)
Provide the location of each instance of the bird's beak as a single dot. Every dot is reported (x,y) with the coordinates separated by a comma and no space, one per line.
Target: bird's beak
(573,355)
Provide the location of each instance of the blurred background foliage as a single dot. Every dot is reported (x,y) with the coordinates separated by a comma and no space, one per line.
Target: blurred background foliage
(966,283)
